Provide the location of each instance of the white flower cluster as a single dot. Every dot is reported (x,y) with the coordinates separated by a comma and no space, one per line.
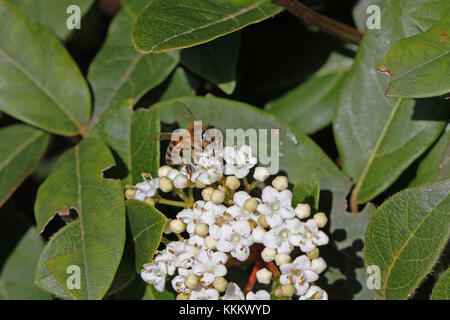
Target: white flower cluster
(230,227)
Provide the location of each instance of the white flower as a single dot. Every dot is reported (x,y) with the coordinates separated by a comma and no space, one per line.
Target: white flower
(178,282)
(154,275)
(236,239)
(210,265)
(299,274)
(276,206)
(314,293)
(258,234)
(259,295)
(180,181)
(167,258)
(307,235)
(233,292)
(192,248)
(205,294)
(278,238)
(202,212)
(146,189)
(207,170)
(239,161)
(238,210)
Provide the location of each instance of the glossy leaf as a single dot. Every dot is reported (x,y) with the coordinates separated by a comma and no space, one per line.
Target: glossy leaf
(299,156)
(40,83)
(307,193)
(379,137)
(20,154)
(118,72)
(312,105)
(170,24)
(16,278)
(147,225)
(436,163)
(406,236)
(441,290)
(52,13)
(418,66)
(128,133)
(76,182)
(215,61)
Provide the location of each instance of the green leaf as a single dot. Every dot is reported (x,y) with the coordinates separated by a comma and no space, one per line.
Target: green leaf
(418,66)
(379,137)
(406,236)
(16,278)
(76,182)
(179,86)
(301,159)
(307,193)
(436,163)
(20,154)
(52,13)
(441,290)
(429,13)
(312,105)
(128,132)
(147,225)
(215,61)
(171,24)
(118,72)
(40,83)
(152,294)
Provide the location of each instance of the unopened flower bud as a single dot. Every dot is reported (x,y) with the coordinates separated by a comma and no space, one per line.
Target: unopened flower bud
(217,197)
(318,265)
(282,258)
(130,193)
(150,201)
(261,174)
(232,183)
(264,276)
(268,254)
(191,281)
(280,183)
(251,204)
(172,173)
(258,234)
(177,226)
(210,243)
(287,290)
(167,228)
(206,193)
(313,254)
(303,210)
(162,171)
(220,284)
(263,221)
(321,219)
(183,296)
(165,184)
(201,229)
(180,181)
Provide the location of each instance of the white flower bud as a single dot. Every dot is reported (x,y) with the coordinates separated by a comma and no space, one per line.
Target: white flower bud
(210,243)
(183,296)
(261,174)
(220,284)
(150,201)
(191,281)
(251,204)
(303,210)
(318,265)
(167,228)
(130,193)
(264,276)
(282,258)
(165,184)
(206,193)
(217,197)
(280,183)
(321,219)
(177,226)
(201,229)
(172,173)
(268,254)
(258,234)
(232,183)
(180,181)
(162,171)
(287,290)
(263,221)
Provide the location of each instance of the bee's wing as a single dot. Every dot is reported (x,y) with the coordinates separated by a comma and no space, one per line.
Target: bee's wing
(160,136)
(183,113)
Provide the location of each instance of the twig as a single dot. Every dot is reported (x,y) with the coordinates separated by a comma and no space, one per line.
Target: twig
(328,25)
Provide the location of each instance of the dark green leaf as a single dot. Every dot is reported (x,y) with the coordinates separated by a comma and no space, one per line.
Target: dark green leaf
(179,86)
(170,24)
(147,225)
(307,193)
(40,83)
(441,290)
(20,154)
(76,182)
(152,294)
(406,236)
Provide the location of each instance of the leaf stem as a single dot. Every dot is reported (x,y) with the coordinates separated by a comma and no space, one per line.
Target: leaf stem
(173,203)
(328,25)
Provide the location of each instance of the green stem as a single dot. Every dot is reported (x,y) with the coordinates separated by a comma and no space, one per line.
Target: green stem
(173,203)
